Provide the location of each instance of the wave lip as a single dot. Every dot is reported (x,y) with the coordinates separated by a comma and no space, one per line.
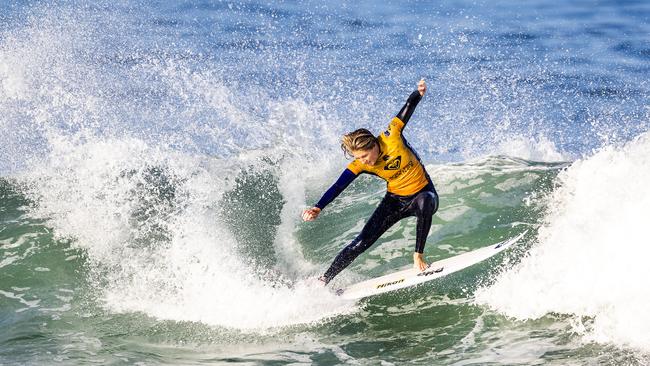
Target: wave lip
(590,261)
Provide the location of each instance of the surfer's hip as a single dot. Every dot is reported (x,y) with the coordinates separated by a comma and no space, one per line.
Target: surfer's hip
(405,201)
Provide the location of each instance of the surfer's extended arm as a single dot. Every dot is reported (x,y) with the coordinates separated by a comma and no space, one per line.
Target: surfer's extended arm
(409,107)
(341,184)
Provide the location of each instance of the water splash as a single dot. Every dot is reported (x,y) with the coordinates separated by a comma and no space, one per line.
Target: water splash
(590,259)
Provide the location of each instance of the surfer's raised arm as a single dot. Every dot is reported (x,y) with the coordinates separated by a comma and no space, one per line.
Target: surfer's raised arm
(407,110)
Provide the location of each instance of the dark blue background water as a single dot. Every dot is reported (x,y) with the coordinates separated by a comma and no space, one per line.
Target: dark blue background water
(570,72)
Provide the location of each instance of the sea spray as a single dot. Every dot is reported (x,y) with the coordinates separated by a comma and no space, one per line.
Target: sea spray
(591,258)
(149,222)
(136,154)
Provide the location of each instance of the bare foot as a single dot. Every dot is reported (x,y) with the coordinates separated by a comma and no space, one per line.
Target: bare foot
(418,262)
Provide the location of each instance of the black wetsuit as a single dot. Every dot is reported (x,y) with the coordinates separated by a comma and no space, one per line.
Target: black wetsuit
(422,204)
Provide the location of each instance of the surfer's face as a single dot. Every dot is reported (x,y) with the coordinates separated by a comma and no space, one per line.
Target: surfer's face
(368,157)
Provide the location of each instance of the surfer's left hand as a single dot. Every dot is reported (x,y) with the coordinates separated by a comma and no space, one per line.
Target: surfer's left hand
(418,262)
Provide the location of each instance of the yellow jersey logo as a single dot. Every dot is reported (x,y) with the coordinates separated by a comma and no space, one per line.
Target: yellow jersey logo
(394,164)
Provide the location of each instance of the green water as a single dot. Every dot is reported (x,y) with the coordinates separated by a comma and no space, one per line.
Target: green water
(53,310)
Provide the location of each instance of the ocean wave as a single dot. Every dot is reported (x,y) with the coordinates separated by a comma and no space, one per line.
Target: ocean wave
(589,261)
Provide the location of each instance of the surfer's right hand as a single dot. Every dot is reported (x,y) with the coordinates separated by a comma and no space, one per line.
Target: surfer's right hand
(310,214)
(422,87)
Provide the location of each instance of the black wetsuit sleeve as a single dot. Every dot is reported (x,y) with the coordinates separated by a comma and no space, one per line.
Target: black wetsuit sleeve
(407,110)
(342,183)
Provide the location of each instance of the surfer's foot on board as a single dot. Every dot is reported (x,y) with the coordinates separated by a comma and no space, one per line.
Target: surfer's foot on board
(323,280)
(418,262)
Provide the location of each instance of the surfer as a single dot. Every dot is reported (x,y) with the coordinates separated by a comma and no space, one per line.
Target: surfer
(410,191)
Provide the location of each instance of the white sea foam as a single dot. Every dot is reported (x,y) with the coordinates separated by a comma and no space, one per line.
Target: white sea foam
(539,148)
(591,258)
(100,193)
(130,154)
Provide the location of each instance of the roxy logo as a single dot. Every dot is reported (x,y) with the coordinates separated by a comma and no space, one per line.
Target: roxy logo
(394,164)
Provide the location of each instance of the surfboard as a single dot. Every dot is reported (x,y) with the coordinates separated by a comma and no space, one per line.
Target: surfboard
(411,277)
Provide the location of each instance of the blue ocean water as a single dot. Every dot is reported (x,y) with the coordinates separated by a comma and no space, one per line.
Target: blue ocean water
(155,157)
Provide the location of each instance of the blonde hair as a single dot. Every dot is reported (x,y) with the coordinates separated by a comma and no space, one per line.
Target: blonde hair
(360,139)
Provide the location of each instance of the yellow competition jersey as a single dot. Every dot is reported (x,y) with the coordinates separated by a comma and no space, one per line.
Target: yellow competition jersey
(397,164)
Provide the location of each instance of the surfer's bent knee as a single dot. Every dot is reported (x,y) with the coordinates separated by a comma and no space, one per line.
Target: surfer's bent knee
(433,202)
(427,202)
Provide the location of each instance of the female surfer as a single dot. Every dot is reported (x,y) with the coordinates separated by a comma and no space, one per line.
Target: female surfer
(410,191)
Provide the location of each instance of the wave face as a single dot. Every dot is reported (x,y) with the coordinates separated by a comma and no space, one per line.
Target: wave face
(156,238)
(154,160)
(590,258)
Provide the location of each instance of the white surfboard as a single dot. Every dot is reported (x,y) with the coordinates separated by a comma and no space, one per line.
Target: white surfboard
(412,277)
